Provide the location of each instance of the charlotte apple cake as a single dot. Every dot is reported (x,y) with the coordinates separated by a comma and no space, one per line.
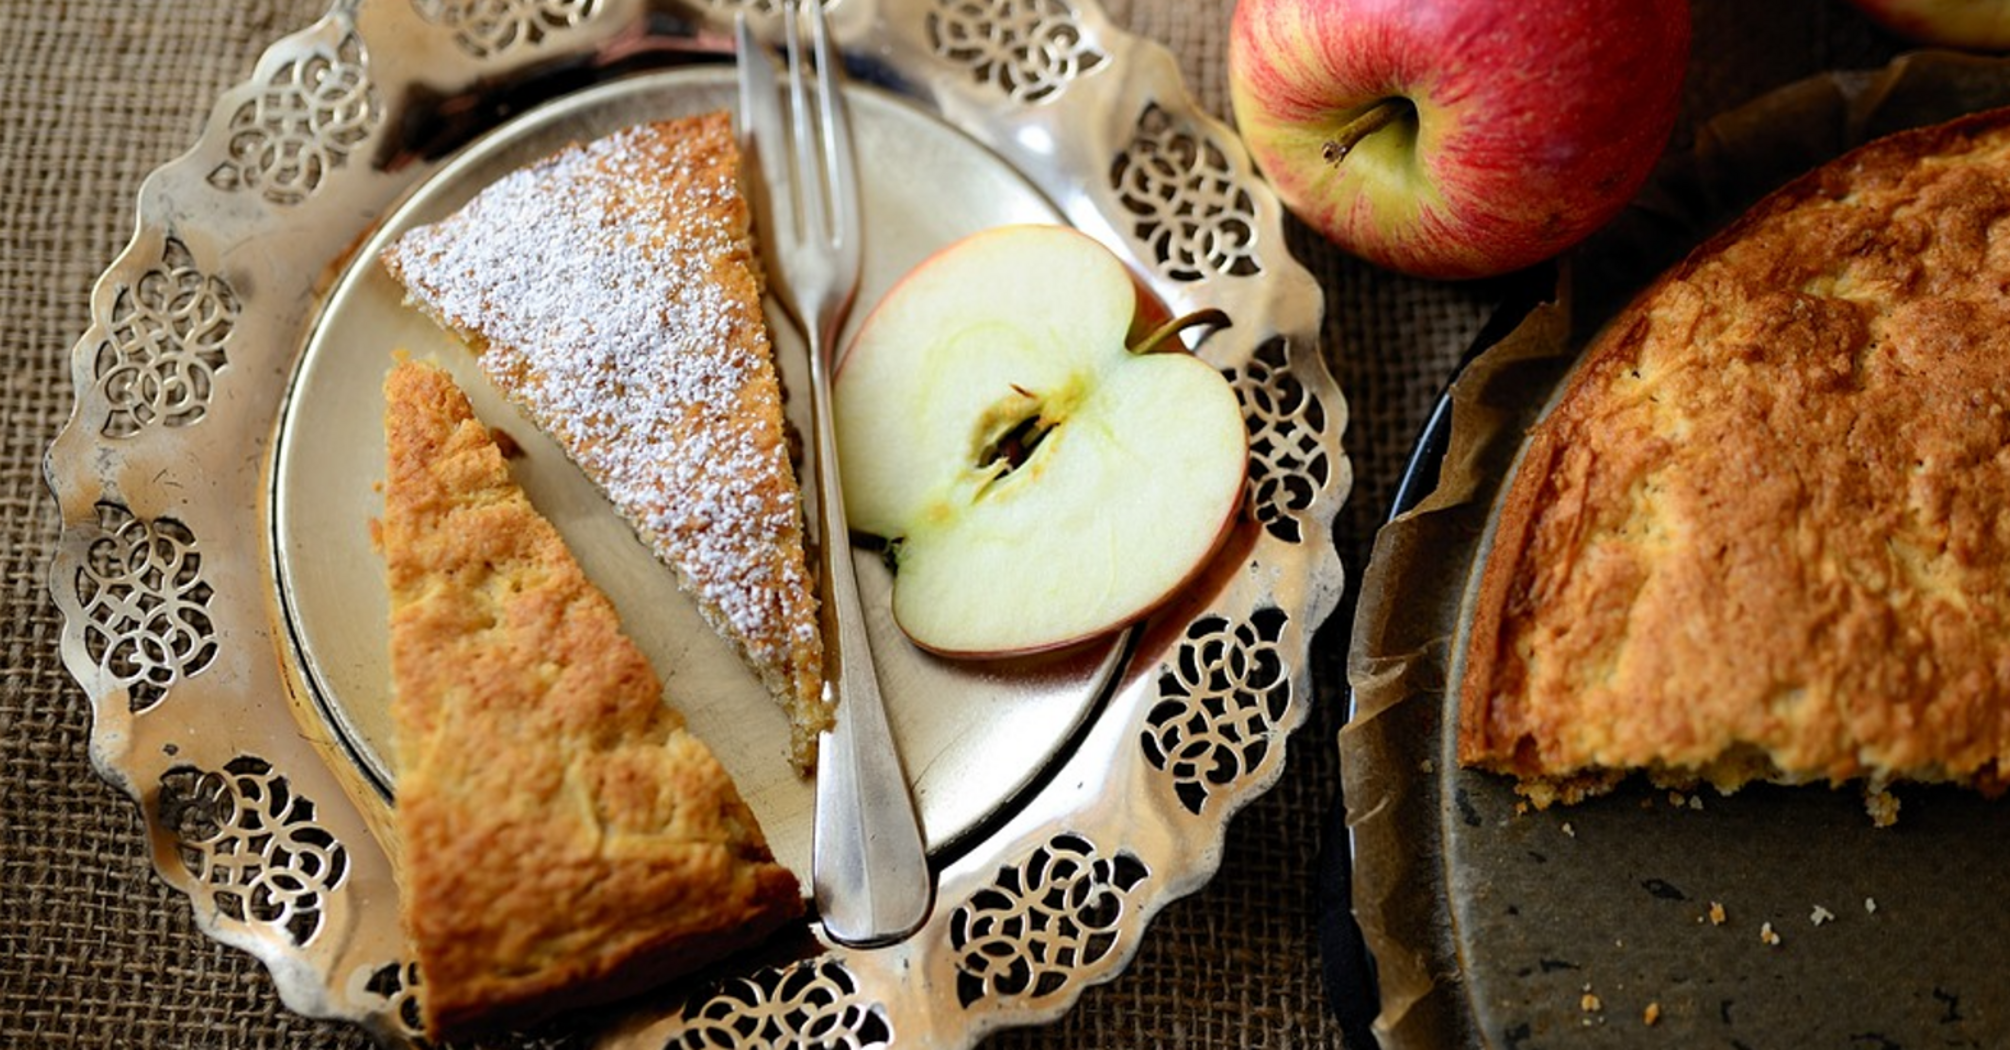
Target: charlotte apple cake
(563,839)
(1764,533)
(613,293)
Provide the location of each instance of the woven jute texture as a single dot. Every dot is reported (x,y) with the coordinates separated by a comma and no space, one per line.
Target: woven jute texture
(96,952)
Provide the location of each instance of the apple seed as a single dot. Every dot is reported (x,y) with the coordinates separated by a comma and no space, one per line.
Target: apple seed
(1017,444)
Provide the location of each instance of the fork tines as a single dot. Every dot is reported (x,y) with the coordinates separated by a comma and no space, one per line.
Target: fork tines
(809,163)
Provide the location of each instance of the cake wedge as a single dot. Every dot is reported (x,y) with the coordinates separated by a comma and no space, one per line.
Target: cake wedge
(612,292)
(563,839)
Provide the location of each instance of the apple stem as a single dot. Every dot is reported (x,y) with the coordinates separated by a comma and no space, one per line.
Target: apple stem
(1366,123)
(1161,339)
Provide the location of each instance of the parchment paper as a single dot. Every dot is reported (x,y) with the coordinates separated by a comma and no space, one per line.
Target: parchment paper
(1773,917)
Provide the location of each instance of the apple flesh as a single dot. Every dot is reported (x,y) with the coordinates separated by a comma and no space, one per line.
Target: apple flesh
(1971,25)
(1456,139)
(1039,480)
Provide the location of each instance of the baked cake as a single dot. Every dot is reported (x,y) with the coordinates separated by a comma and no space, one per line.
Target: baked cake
(563,839)
(1764,533)
(613,293)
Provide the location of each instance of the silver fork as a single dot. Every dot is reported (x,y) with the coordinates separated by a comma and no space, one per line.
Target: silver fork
(869,865)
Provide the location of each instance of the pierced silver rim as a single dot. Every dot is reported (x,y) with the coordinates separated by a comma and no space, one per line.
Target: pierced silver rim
(163,570)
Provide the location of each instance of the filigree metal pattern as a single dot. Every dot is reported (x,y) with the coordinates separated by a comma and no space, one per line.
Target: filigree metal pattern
(396,986)
(1029,49)
(1220,705)
(1288,461)
(1042,926)
(815,1002)
(164,345)
(1184,200)
(486,28)
(146,605)
(1051,899)
(302,123)
(253,845)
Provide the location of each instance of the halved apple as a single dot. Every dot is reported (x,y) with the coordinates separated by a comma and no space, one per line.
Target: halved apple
(1039,478)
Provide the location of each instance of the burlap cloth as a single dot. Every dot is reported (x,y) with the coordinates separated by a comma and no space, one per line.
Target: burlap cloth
(96,952)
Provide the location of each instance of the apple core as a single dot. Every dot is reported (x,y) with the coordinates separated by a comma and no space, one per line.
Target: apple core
(1045,483)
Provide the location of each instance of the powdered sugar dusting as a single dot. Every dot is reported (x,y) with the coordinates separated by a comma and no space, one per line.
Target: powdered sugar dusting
(614,294)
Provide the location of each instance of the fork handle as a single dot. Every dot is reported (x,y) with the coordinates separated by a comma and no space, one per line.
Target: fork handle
(869,863)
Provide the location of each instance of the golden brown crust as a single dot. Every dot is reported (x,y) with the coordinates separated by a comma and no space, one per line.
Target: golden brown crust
(1765,532)
(564,839)
(613,293)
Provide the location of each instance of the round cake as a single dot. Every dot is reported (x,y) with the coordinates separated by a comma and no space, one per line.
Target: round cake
(1764,531)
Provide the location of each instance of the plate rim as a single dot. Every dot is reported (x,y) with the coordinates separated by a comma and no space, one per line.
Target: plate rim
(202,215)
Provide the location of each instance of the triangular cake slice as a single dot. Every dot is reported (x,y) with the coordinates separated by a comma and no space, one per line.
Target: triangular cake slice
(564,839)
(613,293)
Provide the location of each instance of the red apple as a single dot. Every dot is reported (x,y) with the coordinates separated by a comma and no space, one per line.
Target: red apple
(1456,138)
(1974,25)
(1041,477)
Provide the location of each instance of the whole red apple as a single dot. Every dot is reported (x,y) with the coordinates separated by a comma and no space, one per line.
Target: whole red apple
(1974,25)
(1456,138)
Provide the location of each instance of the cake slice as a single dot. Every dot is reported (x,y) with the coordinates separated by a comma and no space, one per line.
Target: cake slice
(1764,534)
(564,840)
(613,293)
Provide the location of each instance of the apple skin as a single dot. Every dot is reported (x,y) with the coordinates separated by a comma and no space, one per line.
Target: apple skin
(1138,480)
(1521,125)
(1971,25)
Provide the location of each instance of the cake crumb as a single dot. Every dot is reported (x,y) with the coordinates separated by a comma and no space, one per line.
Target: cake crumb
(1427,766)
(1590,1003)
(1652,1015)
(1769,935)
(1677,799)
(1821,915)
(1696,802)
(1568,830)
(1882,806)
(1716,913)
(1870,905)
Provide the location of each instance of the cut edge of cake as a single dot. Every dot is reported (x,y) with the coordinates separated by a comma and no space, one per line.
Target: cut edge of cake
(612,291)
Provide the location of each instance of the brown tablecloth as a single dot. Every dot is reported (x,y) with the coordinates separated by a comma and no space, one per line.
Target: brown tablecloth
(96,952)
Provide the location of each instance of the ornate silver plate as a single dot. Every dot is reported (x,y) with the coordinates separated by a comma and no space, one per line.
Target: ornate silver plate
(223,613)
